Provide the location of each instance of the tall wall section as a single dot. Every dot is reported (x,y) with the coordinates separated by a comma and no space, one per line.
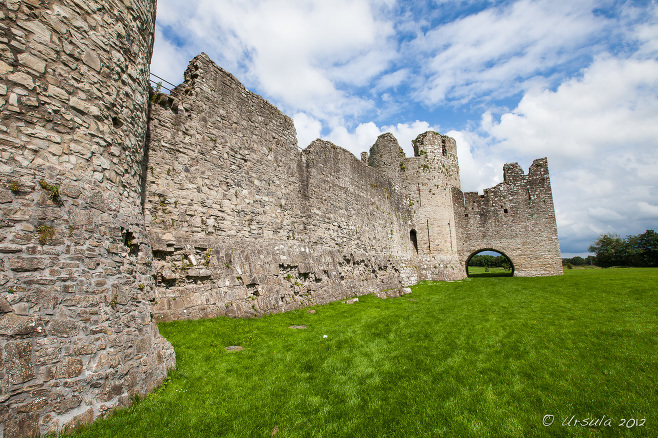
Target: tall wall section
(516,217)
(244,223)
(76,337)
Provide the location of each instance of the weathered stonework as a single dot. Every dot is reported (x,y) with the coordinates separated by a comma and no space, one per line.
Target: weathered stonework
(244,223)
(516,218)
(119,207)
(76,336)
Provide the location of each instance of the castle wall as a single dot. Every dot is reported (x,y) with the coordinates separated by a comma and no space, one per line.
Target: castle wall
(76,336)
(118,207)
(516,217)
(243,222)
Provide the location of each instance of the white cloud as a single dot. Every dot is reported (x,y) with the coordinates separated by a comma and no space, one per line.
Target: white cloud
(169,62)
(300,53)
(307,127)
(648,210)
(613,104)
(496,50)
(600,135)
(478,168)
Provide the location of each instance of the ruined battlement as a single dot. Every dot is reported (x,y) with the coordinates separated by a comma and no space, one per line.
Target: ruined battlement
(508,216)
(121,207)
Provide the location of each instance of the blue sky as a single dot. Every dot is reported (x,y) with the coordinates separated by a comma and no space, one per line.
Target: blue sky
(575,81)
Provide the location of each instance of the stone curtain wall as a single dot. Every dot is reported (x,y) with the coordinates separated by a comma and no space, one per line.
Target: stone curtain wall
(244,223)
(516,217)
(76,336)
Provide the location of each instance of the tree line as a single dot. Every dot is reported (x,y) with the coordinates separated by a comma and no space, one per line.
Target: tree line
(611,250)
(490,261)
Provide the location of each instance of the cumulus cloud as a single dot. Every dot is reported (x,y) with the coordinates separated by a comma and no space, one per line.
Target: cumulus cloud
(300,53)
(496,50)
(365,135)
(599,133)
(612,105)
(515,80)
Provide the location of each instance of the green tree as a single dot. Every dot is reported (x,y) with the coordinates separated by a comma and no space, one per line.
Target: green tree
(643,249)
(610,250)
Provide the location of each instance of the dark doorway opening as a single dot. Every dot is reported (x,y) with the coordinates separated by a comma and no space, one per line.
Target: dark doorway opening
(489,263)
(414,240)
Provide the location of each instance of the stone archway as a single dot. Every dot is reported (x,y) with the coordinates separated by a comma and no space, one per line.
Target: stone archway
(474,253)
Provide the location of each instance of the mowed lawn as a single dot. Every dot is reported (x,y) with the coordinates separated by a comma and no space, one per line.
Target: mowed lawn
(479,271)
(483,357)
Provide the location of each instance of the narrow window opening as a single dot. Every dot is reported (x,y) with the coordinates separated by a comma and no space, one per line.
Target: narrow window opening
(414,240)
(505,210)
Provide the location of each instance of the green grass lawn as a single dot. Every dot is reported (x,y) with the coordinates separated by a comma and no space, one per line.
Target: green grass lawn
(483,357)
(479,271)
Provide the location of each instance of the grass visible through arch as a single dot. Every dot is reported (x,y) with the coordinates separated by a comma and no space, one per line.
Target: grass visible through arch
(482,357)
(479,271)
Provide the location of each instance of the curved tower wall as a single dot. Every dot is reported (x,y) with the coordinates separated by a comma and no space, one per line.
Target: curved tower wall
(76,336)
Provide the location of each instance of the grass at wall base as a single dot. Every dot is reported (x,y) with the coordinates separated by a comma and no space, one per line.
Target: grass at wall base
(483,357)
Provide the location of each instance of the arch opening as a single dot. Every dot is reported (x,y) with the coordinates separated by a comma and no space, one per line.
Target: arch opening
(489,262)
(414,240)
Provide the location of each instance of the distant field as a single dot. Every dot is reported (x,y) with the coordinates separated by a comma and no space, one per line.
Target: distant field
(482,357)
(479,271)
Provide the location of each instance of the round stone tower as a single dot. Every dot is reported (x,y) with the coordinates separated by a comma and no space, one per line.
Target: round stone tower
(76,337)
(387,155)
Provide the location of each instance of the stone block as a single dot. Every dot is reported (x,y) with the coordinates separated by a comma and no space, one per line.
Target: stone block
(80,420)
(18,359)
(63,328)
(64,404)
(5,307)
(5,68)
(32,62)
(47,355)
(91,59)
(23,79)
(12,324)
(27,264)
(22,425)
(69,367)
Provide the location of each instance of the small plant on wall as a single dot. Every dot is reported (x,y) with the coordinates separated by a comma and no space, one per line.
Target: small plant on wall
(53,191)
(46,233)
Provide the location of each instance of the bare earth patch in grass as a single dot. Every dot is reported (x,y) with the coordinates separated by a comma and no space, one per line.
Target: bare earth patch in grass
(484,357)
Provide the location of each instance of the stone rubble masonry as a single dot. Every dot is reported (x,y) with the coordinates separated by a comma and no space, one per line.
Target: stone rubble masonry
(76,283)
(243,223)
(516,218)
(120,207)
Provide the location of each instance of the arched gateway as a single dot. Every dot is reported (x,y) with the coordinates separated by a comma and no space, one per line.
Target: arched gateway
(479,251)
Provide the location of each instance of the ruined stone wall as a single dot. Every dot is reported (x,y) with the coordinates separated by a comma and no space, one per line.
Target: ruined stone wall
(107,222)
(516,218)
(76,337)
(243,222)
